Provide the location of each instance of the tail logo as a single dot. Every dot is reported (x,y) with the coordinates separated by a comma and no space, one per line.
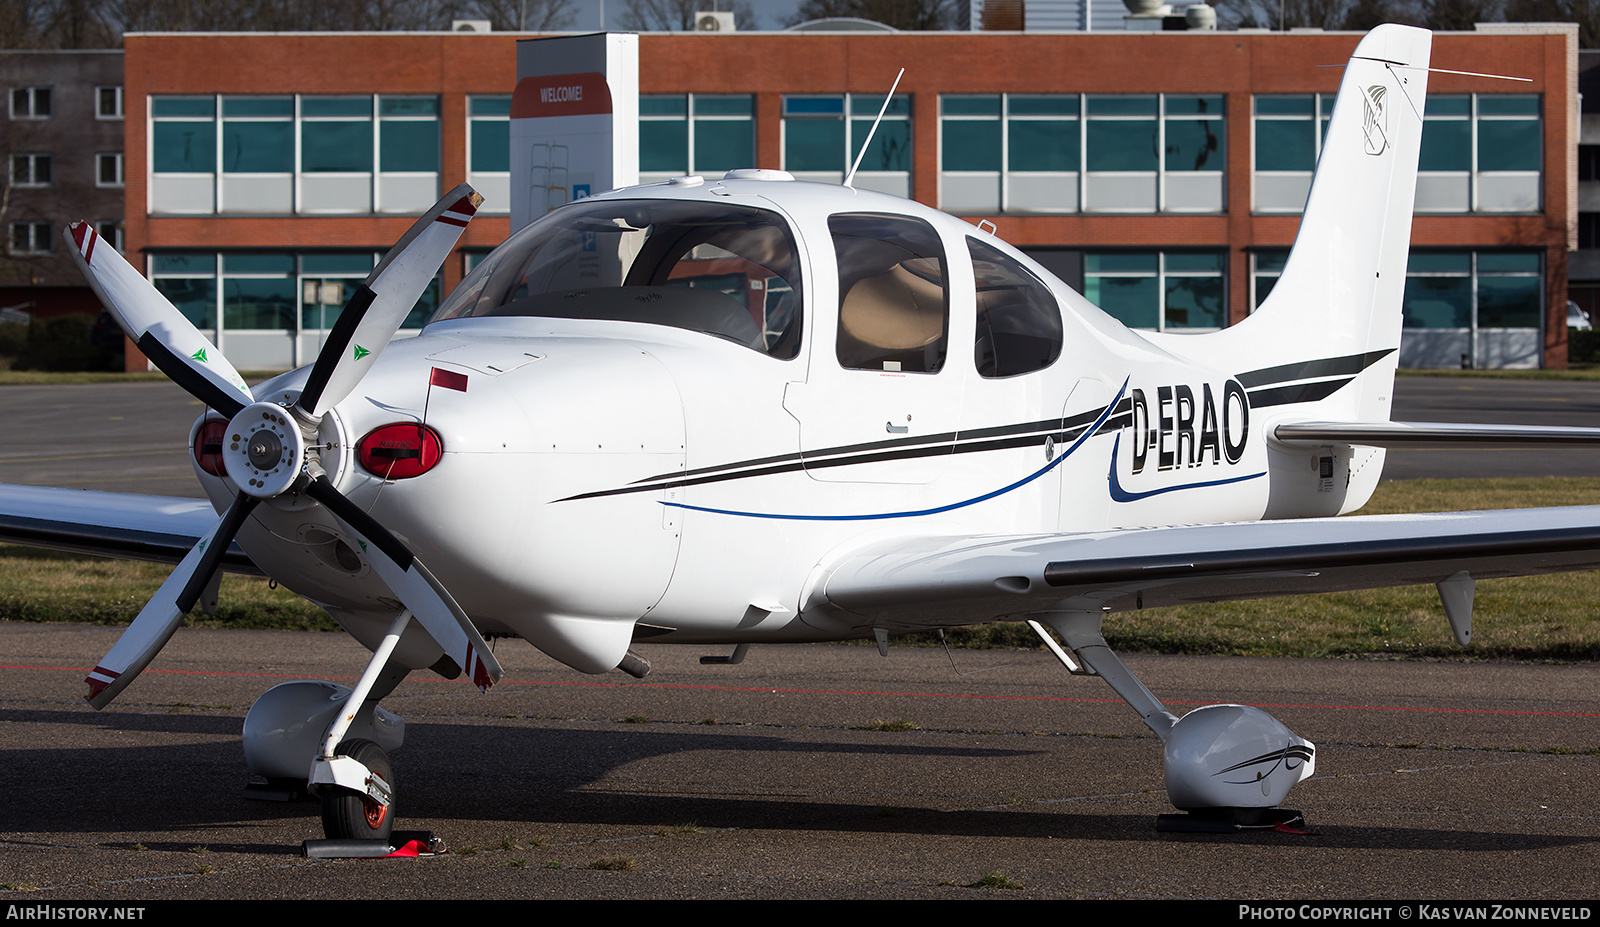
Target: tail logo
(1375,119)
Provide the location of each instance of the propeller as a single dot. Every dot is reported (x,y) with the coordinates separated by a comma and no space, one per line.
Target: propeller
(271,449)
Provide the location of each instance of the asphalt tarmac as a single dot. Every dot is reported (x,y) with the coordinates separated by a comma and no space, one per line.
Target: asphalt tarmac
(769,779)
(1494,401)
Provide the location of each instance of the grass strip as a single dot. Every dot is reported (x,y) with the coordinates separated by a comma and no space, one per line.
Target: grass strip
(1526,618)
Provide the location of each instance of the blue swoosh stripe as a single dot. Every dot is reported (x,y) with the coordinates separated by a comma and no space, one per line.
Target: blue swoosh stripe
(1122,495)
(1087,434)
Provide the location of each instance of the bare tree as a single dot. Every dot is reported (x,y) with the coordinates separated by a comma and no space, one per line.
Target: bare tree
(909,15)
(1281,14)
(1457,15)
(1586,13)
(526,15)
(678,15)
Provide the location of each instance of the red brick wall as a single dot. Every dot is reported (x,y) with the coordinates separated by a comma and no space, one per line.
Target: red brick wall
(770,65)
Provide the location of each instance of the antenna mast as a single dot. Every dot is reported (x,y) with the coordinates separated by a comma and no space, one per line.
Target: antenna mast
(874,130)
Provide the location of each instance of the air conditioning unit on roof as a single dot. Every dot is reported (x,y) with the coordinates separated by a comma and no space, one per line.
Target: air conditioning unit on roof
(471,25)
(713,21)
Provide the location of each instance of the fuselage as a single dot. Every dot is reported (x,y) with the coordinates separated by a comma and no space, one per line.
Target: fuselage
(831,368)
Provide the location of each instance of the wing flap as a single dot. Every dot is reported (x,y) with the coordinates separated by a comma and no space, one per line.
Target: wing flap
(940,582)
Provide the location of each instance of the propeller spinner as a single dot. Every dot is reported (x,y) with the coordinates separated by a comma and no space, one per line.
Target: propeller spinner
(271,449)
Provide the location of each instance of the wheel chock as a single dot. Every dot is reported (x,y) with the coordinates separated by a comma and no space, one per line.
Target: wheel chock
(406,843)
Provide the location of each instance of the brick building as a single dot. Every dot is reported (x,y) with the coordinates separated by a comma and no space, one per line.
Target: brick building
(62,142)
(1161,173)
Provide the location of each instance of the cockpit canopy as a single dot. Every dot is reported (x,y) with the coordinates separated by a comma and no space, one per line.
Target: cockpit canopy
(720,268)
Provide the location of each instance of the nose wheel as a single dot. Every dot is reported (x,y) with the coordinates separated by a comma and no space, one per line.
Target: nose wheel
(369,815)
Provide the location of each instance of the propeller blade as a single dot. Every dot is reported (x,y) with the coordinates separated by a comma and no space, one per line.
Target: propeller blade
(169,340)
(378,306)
(161,616)
(411,582)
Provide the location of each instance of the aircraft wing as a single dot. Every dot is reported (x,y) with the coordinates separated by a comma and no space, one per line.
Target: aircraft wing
(939,582)
(111,524)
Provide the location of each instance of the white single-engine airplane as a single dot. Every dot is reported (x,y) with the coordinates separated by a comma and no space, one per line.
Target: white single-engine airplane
(755,410)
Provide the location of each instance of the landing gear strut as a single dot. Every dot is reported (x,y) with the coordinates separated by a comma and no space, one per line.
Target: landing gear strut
(1228,766)
(353,779)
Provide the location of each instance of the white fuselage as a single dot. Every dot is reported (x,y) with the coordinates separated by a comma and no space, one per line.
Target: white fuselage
(598,475)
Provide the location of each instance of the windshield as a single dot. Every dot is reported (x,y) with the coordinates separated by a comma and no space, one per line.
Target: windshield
(718,268)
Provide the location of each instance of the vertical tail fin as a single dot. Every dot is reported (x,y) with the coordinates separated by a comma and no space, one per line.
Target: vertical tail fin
(1340,293)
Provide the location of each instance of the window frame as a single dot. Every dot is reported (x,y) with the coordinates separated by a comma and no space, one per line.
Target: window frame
(33,161)
(851,122)
(1162,275)
(693,118)
(40,240)
(1078,191)
(298,274)
(114,231)
(33,94)
(100,113)
(100,159)
(1319,115)
(371,191)
(486,181)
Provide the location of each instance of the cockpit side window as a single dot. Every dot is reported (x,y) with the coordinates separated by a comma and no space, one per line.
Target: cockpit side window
(723,269)
(894,303)
(1019,322)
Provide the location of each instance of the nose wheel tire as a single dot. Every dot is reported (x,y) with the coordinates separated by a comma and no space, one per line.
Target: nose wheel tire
(349,816)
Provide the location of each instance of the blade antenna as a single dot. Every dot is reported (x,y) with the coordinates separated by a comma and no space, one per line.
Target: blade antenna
(873,131)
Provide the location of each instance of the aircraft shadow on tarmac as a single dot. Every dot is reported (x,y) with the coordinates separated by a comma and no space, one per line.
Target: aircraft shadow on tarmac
(530,776)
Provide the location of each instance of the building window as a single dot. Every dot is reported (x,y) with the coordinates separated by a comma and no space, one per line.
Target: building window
(707,134)
(1588,230)
(108,169)
(1461,308)
(1287,132)
(1588,162)
(113,231)
(183,155)
(1024,153)
(408,134)
(820,142)
(1159,290)
(257,156)
(336,154)
(30,103)
(108,102)
(1481,153)
(287,154)
(31,238)
(1473,309)
(189,281)
(274,309)
(489,151)
(1266,266)
(30,170)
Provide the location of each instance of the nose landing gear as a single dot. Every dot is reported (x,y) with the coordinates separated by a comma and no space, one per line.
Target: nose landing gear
(367,815)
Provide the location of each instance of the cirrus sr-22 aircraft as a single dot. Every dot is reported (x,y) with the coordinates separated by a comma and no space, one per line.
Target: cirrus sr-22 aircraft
(748,410)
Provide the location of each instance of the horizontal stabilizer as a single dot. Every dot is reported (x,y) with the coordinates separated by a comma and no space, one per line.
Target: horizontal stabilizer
(1434,434)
